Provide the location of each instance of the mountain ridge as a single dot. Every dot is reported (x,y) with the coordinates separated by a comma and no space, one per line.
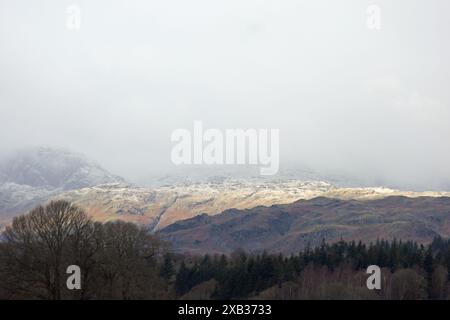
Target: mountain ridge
(31,176)
(291,227)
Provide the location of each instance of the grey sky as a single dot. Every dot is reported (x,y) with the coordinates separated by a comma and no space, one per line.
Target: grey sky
(375,104)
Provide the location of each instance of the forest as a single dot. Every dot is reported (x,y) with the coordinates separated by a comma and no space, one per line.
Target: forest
(120,260)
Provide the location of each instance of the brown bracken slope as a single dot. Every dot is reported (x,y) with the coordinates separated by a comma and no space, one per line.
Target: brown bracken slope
(291,227)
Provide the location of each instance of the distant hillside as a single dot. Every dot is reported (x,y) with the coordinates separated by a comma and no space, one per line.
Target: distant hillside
(35,176)
(161,206)
(291,227)
(50,168)
(31,176)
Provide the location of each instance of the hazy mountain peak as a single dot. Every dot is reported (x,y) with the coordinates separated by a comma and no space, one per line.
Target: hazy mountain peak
(53,168)
(31,176)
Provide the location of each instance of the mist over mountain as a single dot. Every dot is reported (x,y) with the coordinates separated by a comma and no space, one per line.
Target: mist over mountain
(345,98)
(50,168)
(217,173)
(31,176)
(220,210)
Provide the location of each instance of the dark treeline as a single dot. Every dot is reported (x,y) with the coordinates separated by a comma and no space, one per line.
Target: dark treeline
(119,260)
(409,271)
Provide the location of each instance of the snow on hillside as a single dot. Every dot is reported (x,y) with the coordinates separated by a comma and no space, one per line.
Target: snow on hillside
(29,177)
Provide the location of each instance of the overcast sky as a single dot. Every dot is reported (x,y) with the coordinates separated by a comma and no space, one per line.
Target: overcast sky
(375,104)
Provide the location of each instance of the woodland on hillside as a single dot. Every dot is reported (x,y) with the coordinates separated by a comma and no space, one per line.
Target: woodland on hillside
(119,260)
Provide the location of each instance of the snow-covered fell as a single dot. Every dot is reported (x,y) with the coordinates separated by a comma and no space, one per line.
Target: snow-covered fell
(31,176)
(51,169)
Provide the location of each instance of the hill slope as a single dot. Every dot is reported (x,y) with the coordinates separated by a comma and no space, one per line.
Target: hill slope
(159,207)
(30,177)
(289,228)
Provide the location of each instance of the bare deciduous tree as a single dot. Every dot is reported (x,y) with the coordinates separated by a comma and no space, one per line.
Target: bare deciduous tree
(118,260)
(39,246)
